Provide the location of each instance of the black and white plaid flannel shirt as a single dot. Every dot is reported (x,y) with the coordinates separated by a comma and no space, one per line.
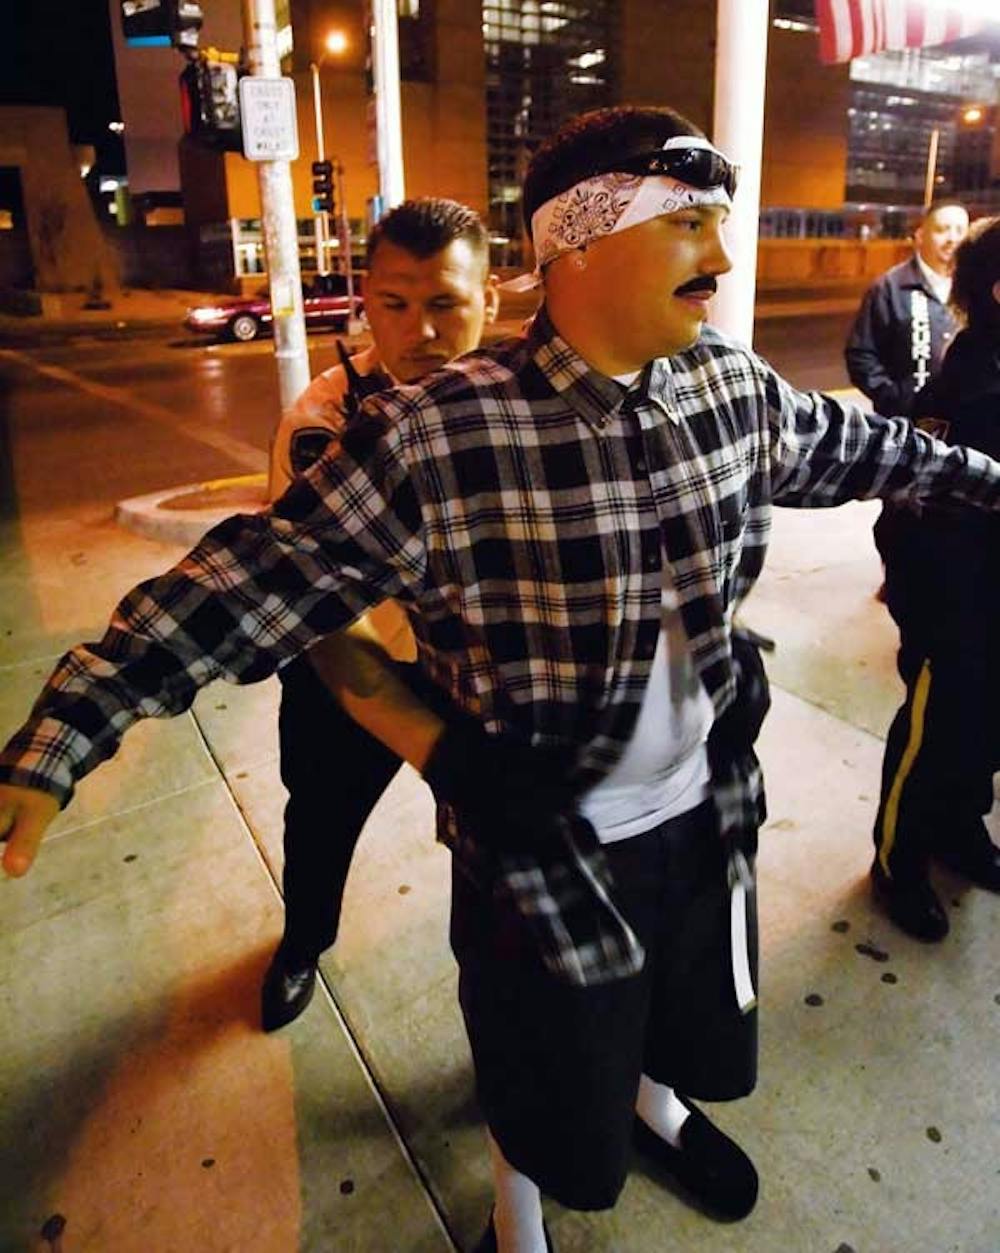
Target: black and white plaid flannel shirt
(521,506)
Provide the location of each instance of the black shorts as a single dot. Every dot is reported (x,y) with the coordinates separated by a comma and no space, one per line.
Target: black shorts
(557,1066)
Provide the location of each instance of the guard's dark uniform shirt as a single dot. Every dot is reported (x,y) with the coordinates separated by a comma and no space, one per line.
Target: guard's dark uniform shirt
(898,339)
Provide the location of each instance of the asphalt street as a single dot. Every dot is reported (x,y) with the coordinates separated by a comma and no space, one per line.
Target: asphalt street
(94,419)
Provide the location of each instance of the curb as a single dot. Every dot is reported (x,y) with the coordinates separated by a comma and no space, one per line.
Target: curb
(28,331)
(21,333)
(806,308)
(182,515)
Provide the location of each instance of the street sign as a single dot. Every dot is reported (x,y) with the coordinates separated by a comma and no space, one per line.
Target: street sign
(267,110)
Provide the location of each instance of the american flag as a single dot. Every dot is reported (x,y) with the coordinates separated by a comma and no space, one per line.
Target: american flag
(852,28)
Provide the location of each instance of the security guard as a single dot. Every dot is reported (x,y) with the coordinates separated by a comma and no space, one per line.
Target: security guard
(904,325)
(943,590)
(428,295)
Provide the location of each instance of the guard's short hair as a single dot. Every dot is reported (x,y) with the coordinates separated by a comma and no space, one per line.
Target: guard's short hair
(425,226)
(977,271)
(591,143)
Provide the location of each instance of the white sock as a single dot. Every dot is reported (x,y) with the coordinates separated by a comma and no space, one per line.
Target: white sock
(661,1110)
(517,1211)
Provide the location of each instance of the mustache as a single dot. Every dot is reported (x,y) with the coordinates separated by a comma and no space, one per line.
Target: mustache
(704,282)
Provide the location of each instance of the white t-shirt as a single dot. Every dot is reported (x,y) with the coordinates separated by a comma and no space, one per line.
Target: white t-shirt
(664,769)
(940,284)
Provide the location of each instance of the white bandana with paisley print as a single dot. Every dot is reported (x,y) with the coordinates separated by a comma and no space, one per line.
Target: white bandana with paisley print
(611,202)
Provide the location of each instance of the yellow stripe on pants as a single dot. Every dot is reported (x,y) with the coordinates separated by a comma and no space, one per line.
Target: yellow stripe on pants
(918,712)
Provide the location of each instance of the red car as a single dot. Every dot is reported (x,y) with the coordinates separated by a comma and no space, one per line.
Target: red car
(245,317)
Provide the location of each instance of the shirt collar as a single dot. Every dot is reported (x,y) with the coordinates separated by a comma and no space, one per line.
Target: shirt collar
(939,285)
(594,396)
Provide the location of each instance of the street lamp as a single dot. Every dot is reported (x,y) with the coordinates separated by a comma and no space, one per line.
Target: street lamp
(972,115)
(335,44)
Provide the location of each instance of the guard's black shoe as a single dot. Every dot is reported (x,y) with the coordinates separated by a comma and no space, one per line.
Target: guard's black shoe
(286,991)
(708,1165)
(488,1240)
(975,856)
(911,903)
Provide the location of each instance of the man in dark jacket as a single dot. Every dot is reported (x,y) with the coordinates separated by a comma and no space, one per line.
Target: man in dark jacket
(943,586)
(904,325)
(903,328)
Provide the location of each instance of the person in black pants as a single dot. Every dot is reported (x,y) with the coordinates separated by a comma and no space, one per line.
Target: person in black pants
(428,295)
(943,590)
(317,741)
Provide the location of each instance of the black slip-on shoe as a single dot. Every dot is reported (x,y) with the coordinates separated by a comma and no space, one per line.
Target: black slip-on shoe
(285,991)
(911,903)
(975,857)
(488,1240)
(713,1169)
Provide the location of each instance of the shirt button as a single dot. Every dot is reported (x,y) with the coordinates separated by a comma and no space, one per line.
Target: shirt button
(640,465)
(651,560)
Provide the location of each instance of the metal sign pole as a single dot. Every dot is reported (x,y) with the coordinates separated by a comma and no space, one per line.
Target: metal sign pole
(278,222)
(354,323)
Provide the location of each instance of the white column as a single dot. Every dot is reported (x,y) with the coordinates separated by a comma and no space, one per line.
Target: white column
(740,75)
(388,114)
(278,225)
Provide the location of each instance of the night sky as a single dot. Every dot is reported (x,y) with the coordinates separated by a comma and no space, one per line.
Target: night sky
(59,52)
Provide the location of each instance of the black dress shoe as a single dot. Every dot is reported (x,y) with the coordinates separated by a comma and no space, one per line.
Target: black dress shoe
(708,1165)
(911,903)
(285,991)
(975,856)
(488,1240)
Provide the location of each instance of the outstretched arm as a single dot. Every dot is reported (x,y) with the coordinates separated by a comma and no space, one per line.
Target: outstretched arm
(255,592)
(824,452)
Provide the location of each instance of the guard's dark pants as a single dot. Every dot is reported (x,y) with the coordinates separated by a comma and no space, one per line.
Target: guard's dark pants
(335,773)
(944,743)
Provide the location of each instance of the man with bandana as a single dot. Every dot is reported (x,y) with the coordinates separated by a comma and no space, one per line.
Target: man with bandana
(571,520)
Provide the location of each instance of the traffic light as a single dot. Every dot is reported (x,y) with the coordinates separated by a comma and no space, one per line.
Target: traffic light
(210,103)
(161,22)
(322,172)
(146,23)
(186,19)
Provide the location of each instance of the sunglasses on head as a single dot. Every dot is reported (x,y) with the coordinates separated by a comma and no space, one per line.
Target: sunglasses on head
(703,168)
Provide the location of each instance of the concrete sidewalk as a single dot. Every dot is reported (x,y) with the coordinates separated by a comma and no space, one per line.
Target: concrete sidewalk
(142,1104)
